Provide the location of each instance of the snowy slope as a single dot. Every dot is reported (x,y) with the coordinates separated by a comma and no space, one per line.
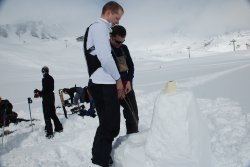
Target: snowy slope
(218,81)
(175,47)
(35,29)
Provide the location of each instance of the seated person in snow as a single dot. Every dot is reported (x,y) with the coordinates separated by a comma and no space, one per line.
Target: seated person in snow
(77,94)
(7,116)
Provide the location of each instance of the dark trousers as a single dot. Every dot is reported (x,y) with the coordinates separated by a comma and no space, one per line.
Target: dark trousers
(130,112)
(108,111)
(49,112)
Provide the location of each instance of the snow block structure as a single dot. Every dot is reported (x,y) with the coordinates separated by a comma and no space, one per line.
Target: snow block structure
(178,136)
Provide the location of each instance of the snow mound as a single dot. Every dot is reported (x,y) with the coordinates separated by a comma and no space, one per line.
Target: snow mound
(178,136)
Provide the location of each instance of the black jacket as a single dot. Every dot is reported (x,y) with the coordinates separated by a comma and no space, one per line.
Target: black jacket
(48,85)
(127,75)
(5,104)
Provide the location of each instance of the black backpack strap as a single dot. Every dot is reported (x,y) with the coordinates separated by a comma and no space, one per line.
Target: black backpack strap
(92,61)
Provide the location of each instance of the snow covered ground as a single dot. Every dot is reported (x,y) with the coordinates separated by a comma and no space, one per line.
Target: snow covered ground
(218,83)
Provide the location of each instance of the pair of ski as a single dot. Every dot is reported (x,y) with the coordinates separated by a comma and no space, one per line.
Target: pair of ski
(7,132)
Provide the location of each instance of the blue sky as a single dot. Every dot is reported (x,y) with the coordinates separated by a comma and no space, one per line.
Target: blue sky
(143,19)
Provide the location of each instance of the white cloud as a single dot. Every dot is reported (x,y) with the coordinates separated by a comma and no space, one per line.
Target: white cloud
(147,19)
(197,17)
(70,14)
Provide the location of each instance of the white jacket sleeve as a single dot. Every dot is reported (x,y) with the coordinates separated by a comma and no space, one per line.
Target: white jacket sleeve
(101,42)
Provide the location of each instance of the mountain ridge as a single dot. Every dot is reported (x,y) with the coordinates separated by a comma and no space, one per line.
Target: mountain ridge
(36,29)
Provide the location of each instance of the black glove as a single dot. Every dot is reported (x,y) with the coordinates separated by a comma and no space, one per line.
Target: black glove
(37,93)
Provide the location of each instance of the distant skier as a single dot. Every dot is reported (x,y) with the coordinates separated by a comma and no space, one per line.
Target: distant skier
(49,110)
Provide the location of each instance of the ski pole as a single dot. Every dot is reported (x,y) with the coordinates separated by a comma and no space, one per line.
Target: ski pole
(4,118)
(29,102)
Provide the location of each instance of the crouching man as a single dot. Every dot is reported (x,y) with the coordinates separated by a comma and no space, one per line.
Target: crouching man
(81,95)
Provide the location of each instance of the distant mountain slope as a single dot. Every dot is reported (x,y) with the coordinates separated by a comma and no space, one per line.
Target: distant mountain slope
(36,29)
(241,41)
(178,45)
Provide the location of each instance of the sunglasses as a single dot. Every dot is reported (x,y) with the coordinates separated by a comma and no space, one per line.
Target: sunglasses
(119,42)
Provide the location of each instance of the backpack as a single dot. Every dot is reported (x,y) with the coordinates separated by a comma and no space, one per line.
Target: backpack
(6,114)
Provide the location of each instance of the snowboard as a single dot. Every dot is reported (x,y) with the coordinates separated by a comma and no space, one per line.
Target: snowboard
(60,91)
(77,109)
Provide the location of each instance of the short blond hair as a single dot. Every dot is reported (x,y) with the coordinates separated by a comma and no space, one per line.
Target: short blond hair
(112,6)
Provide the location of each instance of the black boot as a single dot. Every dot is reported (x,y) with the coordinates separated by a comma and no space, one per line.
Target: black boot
(59,128)
(49,135)
(110,161)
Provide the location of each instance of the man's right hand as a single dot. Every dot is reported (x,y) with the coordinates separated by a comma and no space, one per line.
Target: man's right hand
(120,89)
(37,93)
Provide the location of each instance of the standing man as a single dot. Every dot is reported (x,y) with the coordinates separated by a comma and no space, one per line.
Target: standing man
(125,66)
(49,110)
(105,84)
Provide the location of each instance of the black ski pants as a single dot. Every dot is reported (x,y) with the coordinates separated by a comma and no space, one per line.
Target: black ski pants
(130,112)
(49,112)
(108,111)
